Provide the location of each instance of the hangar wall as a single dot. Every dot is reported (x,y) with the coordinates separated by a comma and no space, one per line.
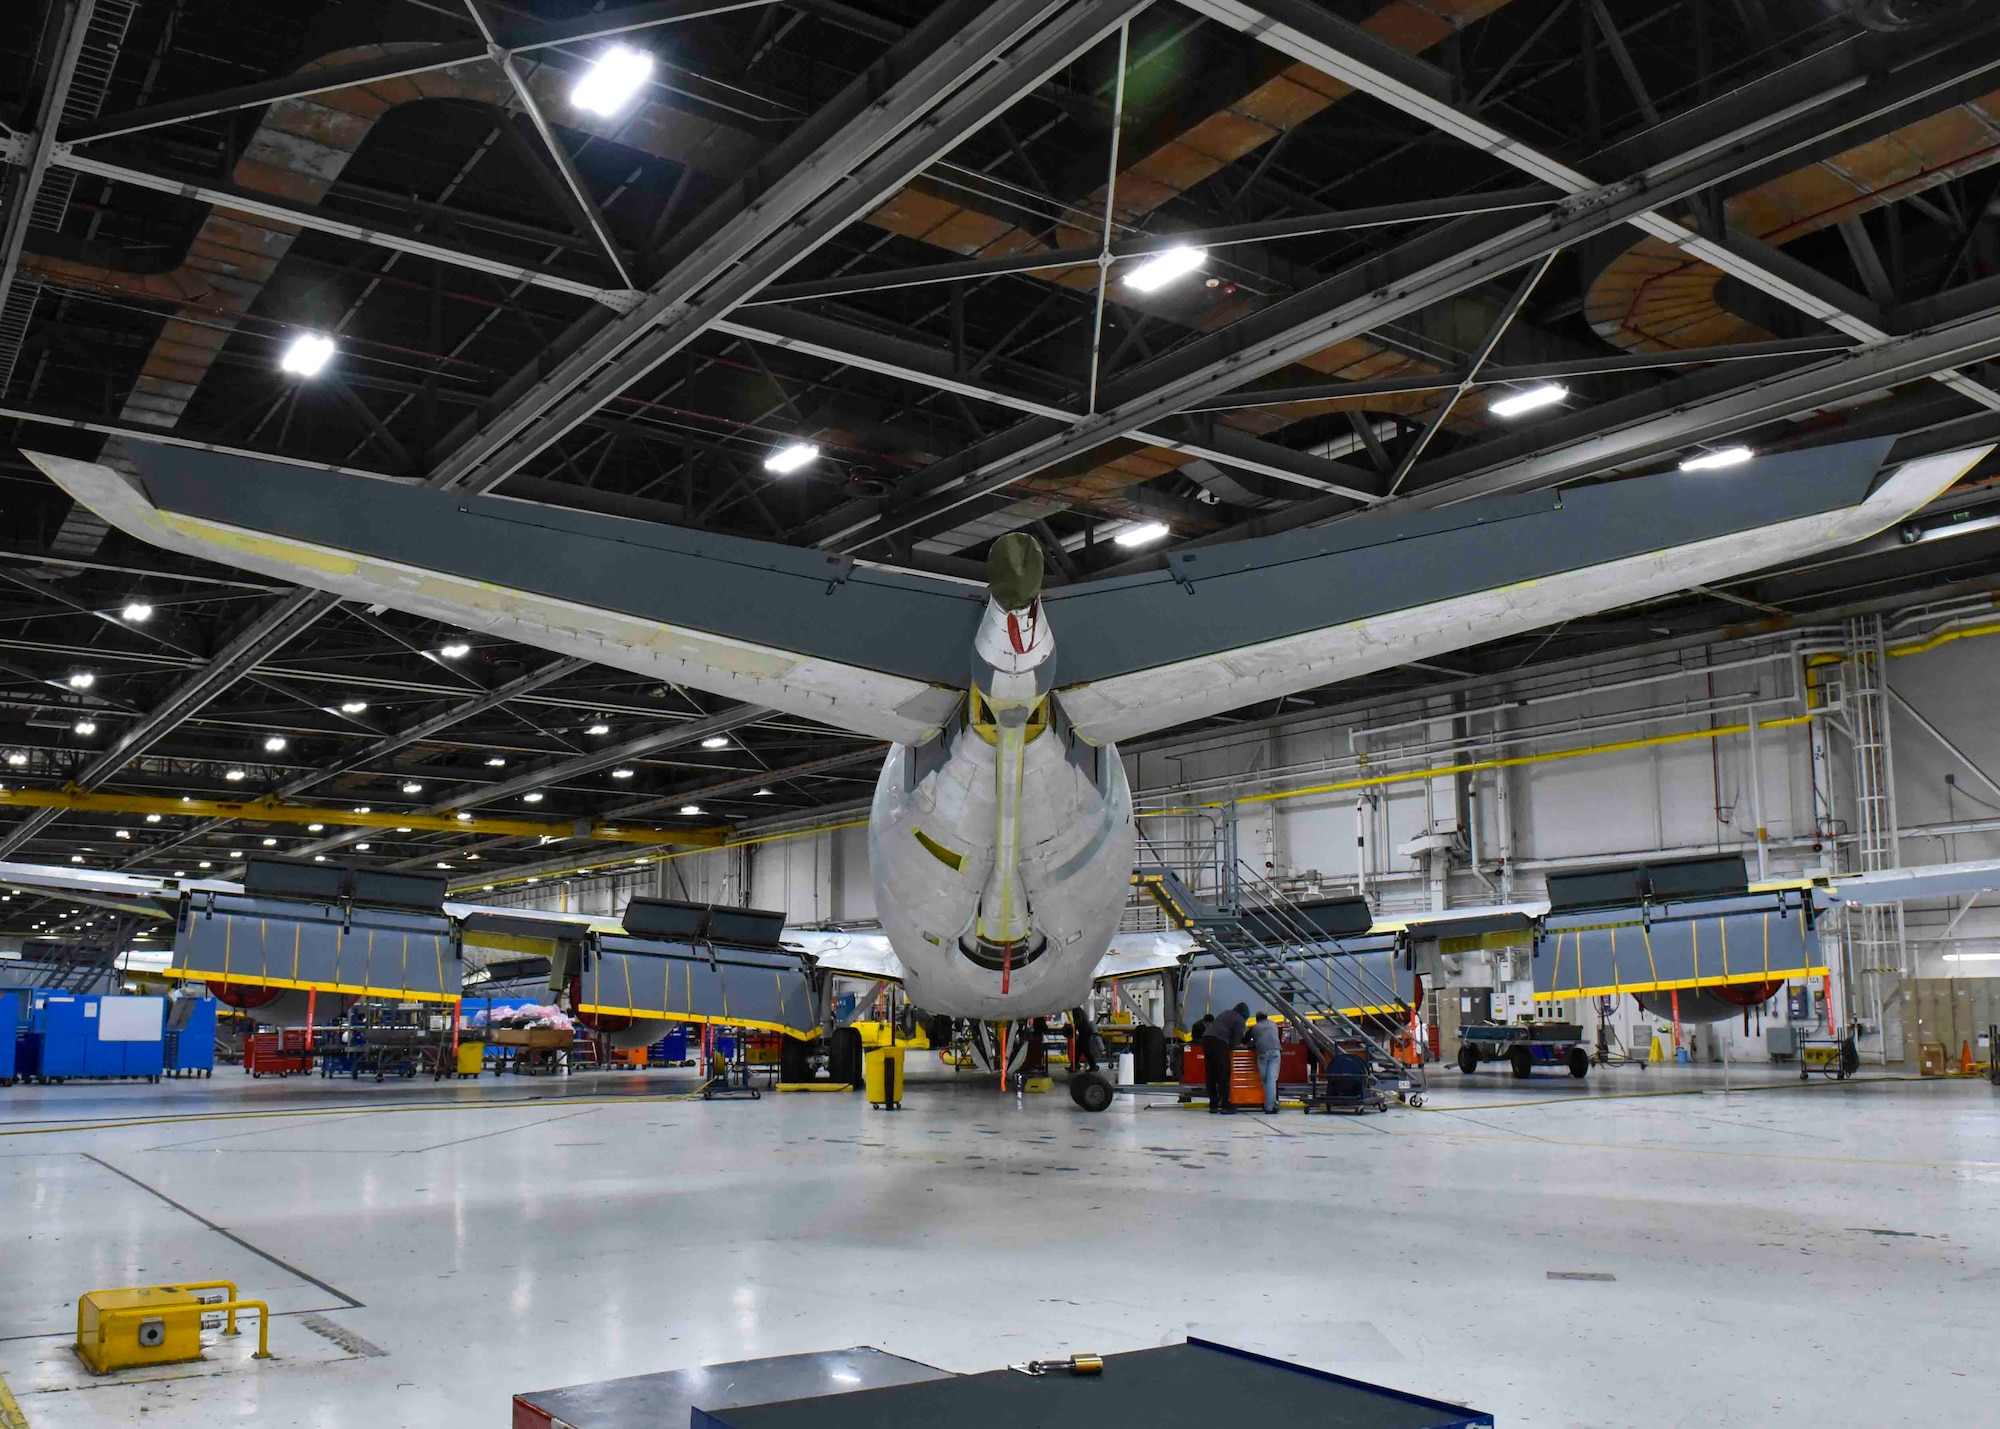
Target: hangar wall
(1473,798)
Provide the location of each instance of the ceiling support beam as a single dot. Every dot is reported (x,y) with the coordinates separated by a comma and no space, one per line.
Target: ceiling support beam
(41,145)
(403,64)
(282,620)
(564,770)
(948,78)
(1309,33)
(1272,230)
(1715,143)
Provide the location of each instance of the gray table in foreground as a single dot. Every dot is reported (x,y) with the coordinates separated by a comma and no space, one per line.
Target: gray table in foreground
(1198,1384)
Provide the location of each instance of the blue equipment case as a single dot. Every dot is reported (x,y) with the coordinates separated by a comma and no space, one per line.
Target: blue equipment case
(63,1042)
(189,1046)
(10,1030)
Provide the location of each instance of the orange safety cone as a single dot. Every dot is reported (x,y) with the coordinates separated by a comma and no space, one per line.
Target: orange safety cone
(1965,1059)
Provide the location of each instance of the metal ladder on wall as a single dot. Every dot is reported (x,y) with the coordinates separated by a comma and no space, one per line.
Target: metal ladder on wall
(1259,934)
(1875,933)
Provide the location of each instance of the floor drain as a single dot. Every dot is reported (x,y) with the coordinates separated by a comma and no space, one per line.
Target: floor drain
(1581,1275)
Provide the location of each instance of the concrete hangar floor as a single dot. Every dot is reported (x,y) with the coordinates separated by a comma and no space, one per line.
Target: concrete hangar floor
(1642,1249)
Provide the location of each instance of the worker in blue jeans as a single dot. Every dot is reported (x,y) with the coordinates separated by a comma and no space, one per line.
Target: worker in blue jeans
(1265,1043)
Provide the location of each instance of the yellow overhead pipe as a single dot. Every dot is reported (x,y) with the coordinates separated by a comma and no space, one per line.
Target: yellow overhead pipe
(1474,766)
(1944,637)
(625,861)
(270,811)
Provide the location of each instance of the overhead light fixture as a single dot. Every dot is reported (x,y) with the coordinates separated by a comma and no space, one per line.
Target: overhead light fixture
(353,706)
(82,680)
(599,728)
(235,776)
(307,355)
(457,650)
(138,612)
(76,858)
(413,787)
(496,762)
(1141,535)
(534,798)
(152,818)
(315,828)
(364,809)
(1535,398)
(690,808)
(403,828)
(609,84)
(364,847)
(464,818)
(716,741)
(485,888)
(121,833)
(622,773)
(275,744)
(642,860)
(761,794)
(19,759)
(792,457)
(85,726)
(1156,272)
(270,843)
(319,858)
(444,865)
(1712,461)
(236,853)
(205,863)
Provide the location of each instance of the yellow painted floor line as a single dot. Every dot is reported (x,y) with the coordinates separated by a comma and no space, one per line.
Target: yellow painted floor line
(11,1416)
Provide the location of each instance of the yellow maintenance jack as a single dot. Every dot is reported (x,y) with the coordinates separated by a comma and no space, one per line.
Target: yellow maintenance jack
(157,1324)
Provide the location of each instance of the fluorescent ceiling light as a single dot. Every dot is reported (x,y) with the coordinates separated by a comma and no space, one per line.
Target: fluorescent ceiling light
(496,762)
(599,728)
(121,833)
(363,847)
(364,809)
(716,741)
(82,680)
(609,84)
(152,818)
(690,808)
(353,706)
(86,726)
(18,759)
(457,650)
(1141,535)
(534,798)
(622,773)
(413,787)
(137,612)
(319,858)
(205,864)
(403,829)
(463,817)
(308,353)
(1972,957)
(761,794)
(1157,272)
(270,843)
(1711,461)
(315,828)
(275,744)
(788,459)
(1535,398)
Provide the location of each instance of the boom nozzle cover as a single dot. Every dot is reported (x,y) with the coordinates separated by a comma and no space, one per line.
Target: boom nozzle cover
(1014,571)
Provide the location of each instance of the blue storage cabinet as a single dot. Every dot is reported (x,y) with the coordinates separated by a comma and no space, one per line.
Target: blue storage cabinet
(10,1027)
(66,1042)
(189,1047)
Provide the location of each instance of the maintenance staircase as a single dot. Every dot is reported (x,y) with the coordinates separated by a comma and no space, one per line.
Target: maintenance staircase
(1295,966)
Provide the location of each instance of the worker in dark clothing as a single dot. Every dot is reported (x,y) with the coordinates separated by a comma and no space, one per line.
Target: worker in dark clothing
(1265,1041)
(1218,1043)
(1200,1028)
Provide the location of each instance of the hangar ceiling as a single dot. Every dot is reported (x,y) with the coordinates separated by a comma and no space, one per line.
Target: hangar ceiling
(882,228)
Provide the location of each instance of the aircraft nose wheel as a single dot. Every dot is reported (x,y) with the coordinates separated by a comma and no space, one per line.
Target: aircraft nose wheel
(1091,1090)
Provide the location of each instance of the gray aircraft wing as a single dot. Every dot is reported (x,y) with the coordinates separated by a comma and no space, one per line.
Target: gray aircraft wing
(887,653)
(883,653)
